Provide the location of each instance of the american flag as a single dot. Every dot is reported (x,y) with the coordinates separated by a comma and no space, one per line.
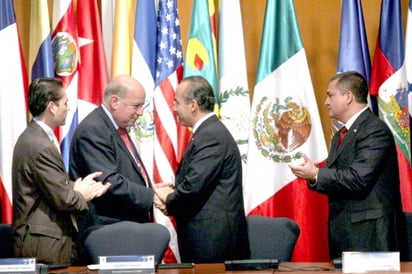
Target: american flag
(171,138)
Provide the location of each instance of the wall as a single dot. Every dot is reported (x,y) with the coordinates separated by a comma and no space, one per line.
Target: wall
(319,25)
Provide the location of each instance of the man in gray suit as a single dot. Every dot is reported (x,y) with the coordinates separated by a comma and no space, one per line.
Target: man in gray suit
(361,175)
(43,196)
(207,200)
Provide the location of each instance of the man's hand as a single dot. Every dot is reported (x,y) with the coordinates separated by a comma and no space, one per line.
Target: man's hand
(89,187)
(307,170)
(160,197)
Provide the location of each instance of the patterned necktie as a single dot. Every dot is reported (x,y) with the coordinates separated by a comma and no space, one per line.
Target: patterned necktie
(342,134)
(129,145)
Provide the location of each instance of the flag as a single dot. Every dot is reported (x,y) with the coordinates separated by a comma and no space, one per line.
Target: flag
(122,37)
(65,57)
(92,68)
(143,69)
(40,49)
(171,137)
(353,52)
(108,12)
(284,101)
(13,84)
(389,83)
(200,49)
(407,188)
(353,44)
(234,90)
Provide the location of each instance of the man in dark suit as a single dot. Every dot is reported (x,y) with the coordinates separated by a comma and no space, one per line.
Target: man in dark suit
(43,197)
(361,175)
(207,200)
(98,145)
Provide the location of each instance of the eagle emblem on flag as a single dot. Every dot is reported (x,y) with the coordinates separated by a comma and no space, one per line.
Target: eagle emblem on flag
(281,128)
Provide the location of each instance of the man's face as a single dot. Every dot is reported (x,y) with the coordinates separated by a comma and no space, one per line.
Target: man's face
(336,102)
(182,108)
(128,108)
(61,108)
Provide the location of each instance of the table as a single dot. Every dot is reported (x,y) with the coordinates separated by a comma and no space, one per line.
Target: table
(294,267)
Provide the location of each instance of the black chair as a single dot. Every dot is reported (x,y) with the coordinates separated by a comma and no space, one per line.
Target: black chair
(6,241)
(272,238)
(127,238)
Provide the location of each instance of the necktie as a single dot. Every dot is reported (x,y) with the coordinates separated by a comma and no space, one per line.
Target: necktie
(72,217)
(129,145)
(342,134)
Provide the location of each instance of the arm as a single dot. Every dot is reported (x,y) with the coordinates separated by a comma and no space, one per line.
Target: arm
(98,148)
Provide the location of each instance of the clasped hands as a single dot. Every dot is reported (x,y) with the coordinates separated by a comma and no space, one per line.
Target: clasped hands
(162,190)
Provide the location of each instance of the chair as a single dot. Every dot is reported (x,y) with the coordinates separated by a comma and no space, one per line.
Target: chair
(6,241)
(127,238)
(272,238)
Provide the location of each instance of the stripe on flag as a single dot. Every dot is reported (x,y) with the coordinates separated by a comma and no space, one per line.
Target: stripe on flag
(122,37)
(65,57)
(200,58)
(353,44)
(13,84)
(92,68)
(234,90)
(277,137)
(388,81)
(171,138)
(40,49)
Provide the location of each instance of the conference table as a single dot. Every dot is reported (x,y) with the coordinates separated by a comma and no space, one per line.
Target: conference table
(294,267)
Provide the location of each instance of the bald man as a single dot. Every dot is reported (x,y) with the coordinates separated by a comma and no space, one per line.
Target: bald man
(98,145)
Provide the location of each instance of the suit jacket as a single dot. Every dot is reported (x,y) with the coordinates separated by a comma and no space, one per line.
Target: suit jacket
(97,146)
(43,199)
(207,202)
(361,180)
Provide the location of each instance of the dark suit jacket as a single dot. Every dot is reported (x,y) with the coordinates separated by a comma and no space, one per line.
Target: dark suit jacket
(208,203)
(43,199)
(361,180)
(97,146)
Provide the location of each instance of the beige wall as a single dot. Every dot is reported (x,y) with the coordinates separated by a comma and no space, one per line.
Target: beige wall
(319,25)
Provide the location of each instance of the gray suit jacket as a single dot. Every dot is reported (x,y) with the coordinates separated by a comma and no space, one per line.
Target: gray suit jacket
(43,199)
(361,180)
(208,201)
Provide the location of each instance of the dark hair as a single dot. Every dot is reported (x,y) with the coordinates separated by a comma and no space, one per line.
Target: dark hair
(353,81)
(41,92)
(201,91)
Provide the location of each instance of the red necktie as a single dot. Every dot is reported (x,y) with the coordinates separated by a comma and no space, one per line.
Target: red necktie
(342,134)
(128,143)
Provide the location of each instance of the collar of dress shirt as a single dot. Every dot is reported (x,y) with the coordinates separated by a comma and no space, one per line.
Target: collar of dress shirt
(110,116)
(204,118)
(352,119)
(46,128)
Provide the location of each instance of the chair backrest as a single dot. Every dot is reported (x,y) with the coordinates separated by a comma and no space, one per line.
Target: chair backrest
(127,238)
(6,241)
(272,238)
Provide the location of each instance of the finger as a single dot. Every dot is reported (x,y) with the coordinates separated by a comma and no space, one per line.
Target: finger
(93,175)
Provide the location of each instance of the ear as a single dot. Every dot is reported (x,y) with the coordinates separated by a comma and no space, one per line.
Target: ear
(51,106)
(114,102)
(193,105)
(349,98)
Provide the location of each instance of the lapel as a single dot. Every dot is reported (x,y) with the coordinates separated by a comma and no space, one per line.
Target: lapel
(118,139)
(350,137)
